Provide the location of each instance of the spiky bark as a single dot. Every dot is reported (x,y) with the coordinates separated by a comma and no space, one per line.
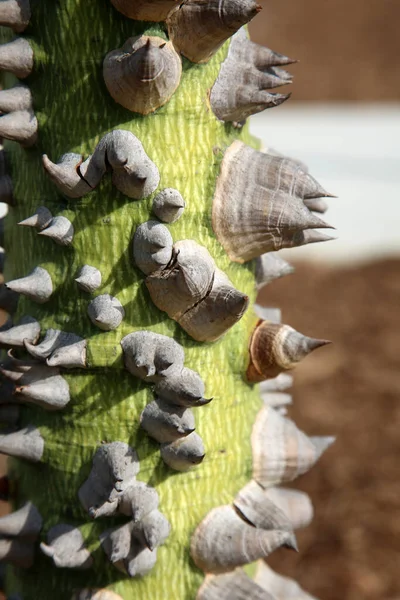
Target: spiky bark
(98,274)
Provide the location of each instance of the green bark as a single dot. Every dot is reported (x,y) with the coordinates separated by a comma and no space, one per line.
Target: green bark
(184,139)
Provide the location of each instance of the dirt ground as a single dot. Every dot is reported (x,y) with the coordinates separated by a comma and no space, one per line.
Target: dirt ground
(352,390)
(347,49)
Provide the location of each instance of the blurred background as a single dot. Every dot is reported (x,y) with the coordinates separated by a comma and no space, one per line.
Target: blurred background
(343,121)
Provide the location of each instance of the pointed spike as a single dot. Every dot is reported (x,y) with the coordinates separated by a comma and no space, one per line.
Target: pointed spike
(166,423)
(115,467)
(52,339)
(257,508)
(143,74)
(152,247)
(322,443)
(198,29)
(66,176)
(138,500)
(183,388)
(36,286)
(126,552)
(224,541)
(282,74)
(281,451)
(39,220)
(69,356)
(45,387)
(168,205)
(17,58)
(17,98)
(60,230)
(184,453)
(273,214)
(28,330)
(244,77)
(221,308)
(311,189)
(19,126)
(184,282)
(152,530)
(6,190)
(15,14)
(25,522)
(25,443)
(271,266)
(309,236)
(106,312)
(66,547)
(89,279)
(151,356)
(276,348)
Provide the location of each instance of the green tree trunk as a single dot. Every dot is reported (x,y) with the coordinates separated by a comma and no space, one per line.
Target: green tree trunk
(186,143)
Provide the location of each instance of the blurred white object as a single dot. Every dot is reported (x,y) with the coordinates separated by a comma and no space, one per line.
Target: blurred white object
(354,152)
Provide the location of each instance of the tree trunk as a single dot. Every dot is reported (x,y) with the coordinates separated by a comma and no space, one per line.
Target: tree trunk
(95,399)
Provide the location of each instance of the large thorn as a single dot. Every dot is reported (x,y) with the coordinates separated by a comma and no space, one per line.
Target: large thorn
(126,552)
(89,279)
(198,28)
(60,230)
(16,98)
(281,451)
(275,348)
(224,541)
(143,74)
(133,173)
(17,58)
(184,453)
(115,467)
(27,330)
(245,76)
(258,204)
(151,356)
(25,522)
(19,126)
(25,443)
(152,247)
(65,545)
(36,286)
(15,14)
(39,220)
(271,266)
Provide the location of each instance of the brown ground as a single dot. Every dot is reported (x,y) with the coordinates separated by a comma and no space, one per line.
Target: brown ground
(348,49)
(352,390)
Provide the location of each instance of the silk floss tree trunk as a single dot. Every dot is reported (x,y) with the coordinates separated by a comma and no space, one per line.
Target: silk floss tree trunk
(144,463)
